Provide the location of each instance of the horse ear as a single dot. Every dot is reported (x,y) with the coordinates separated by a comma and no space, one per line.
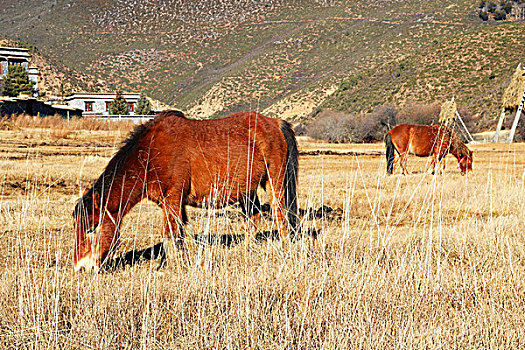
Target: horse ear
(96,200)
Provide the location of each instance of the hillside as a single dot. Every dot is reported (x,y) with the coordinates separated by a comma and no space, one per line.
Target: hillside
(285,58)
(54,77)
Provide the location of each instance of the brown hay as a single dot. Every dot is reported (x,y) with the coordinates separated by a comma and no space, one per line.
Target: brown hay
(448,111)
(513,93)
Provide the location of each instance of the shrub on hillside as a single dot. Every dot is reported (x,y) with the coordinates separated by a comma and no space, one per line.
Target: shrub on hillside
(506,6)
(350,83)
(376,124)
(343,127)
(333,127)
(500,15)
(300,130)
(484,15)
(419,114)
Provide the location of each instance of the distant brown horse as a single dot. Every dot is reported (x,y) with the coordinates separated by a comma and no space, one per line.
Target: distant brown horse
(425,140)
(175,161)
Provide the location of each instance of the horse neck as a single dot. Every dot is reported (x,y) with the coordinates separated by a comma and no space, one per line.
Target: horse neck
(115,185)
(457,148)
(116,190)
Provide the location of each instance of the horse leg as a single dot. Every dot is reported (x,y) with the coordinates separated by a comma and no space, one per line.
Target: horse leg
(433,163)
(278,203)
(174,219)
(443,162)
(251,208)
(403,162)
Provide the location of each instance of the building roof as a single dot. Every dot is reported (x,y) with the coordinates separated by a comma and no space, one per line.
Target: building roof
(101,95)
(65,107)
(28,98)
(20,98)
(14,58)
(14,52)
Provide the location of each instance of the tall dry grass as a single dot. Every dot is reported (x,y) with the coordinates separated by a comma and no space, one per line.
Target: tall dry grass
(53,122)
(414,261)
(56,128)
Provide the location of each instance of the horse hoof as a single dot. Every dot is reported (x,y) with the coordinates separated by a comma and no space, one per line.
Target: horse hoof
(179,243)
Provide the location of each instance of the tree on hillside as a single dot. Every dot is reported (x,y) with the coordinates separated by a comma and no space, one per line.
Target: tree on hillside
(484,15)
(17,82)
(143,106)
(119,106)
(500,15)
(491,6)
(506,6)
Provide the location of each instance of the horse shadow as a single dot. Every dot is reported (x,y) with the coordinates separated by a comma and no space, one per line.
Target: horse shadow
(134,257)
(141,256)
(230,240)
(274,235)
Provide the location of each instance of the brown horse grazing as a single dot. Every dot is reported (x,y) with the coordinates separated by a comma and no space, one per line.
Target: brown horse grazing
(425,140)
(175,161)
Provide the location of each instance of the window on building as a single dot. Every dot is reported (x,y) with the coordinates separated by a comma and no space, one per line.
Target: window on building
(108,103)
(131,107)
(88,106)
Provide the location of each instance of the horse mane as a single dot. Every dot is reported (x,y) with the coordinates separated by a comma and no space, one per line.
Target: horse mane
(118,161)
(458,144)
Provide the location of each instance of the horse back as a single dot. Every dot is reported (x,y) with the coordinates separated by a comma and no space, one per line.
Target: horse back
(224,157)
(420,140)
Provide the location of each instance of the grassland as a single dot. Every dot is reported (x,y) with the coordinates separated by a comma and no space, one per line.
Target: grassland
(415,261)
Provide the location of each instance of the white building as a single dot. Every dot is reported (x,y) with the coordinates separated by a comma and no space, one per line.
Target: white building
(94,103)
(15,56)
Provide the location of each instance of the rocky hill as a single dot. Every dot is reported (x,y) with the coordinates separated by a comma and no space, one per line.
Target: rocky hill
(286,58)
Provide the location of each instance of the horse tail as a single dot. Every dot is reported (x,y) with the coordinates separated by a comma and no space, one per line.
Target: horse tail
(290,175)
(390,155)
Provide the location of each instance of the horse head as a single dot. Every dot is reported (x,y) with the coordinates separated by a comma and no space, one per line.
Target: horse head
(465,162)
(91,220)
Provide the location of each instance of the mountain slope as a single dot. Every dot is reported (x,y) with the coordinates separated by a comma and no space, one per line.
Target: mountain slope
(286,58)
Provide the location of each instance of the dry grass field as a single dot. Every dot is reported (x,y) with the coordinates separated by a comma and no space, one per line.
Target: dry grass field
(400,262)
